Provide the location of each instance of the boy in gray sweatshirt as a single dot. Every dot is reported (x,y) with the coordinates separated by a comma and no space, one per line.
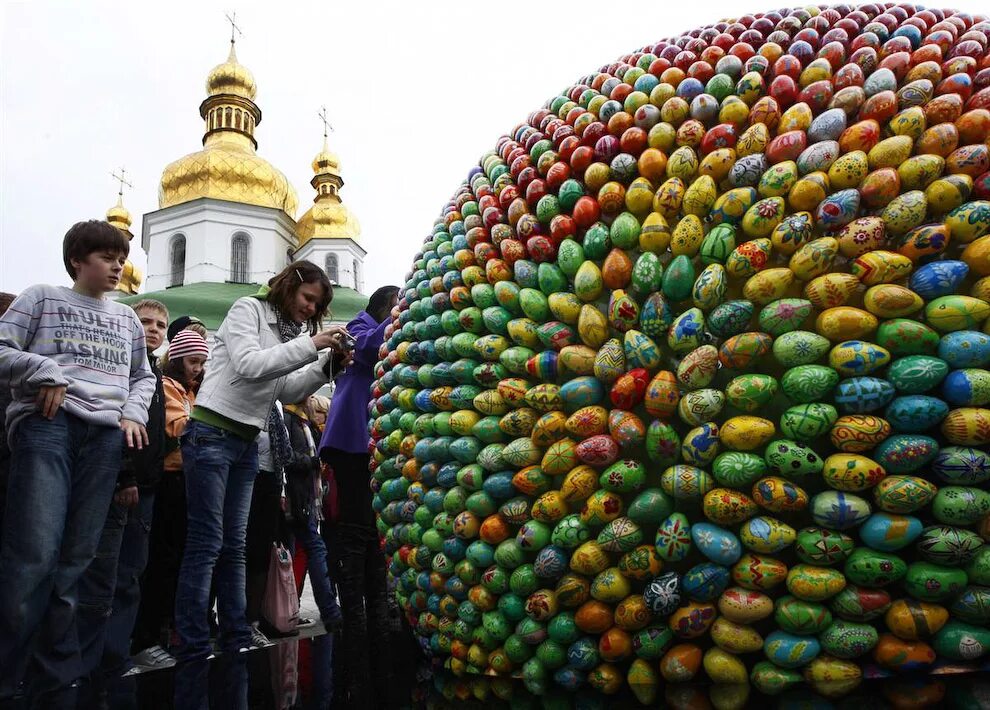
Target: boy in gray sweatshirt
(76,367)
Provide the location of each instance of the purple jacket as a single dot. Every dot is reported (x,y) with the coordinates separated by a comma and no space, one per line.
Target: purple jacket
(347,420)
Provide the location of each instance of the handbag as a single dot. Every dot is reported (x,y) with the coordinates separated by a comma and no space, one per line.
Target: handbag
(280,606)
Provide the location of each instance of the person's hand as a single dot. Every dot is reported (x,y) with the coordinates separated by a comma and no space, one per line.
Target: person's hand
(49,399)
(126,497)
(332,337)
(347,359)
(135,435)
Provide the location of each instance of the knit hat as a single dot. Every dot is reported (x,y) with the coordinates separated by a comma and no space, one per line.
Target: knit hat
(187,342)
(180,324)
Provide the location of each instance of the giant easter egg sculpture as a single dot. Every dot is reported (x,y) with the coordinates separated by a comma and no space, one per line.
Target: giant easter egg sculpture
(690,379)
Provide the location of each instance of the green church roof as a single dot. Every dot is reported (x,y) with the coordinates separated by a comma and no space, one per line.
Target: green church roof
(210,301)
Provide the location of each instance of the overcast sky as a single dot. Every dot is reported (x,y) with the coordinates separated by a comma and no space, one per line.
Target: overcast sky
(416,91)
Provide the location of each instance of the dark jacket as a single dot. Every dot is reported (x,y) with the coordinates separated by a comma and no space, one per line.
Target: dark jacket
(302,473)
(144,467)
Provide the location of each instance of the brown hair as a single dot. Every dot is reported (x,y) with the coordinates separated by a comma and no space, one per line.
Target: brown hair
(84,238)
(150,304)
(283,287)
(176,369)
(5,300)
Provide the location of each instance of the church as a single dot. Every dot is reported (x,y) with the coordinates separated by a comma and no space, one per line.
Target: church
(226,218)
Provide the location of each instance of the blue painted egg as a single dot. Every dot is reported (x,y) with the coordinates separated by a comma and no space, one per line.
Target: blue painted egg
(886,532)
(717,544)
(705,582)
(965,348)
(838,209)
(967,388)
(858,395)
(499,485)
(655,315)
(581,392)
(915,413)
(687,331)
(905,453)
(962,465)
(790,650)
(939,278)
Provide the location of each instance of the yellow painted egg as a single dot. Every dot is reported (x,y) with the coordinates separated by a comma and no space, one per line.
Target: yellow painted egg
(831,290)
(735,638)
(969,221)
(718,163)
(566,307)
(852,472)
(518,422)
(753,140)
(778,495)
(854,358)
(587,421)
(778,180)
(977,256)
(881,267)
(797,118)
(667,200)
(731,205)
(746,433)
(849,170)
(809,191)
(766,535)
(549,428)
(948,193)
(523,331)
(592,326)
(905,212)
(814,584)
(688,235)
(880,187)
(981,289)
(579,483)
(682,163)
(589,559)
(890,152)
(952,313)
(578,359)
(794,232)
(726,506)
(748,258)
(845,323)
(918,172)
(967,426)
(654,235)
(693,620)
(700,197)
(856,433)
(762,217)
(814,258)
(768,285)
(861,236)
(759,572)
(860,137)
(910,122)
(549,507)
(744,606)
(892,301)
(940,139)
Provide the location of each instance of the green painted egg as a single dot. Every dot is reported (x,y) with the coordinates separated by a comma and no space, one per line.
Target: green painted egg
(952,313)
(948,546)
(534,304)
(620,535)
(570,256)
(847,639)
(655,315)
(961,505)
(962,642)
(673,539)
(823,547)
(809,383)
(797,616)
(814,584)
(710,287)
(929,582)
(915,374)
(792,460)
(551,278)
(625,476)
(730,318)
(700,406)
(751,393)
(808,421)
(587,282)
(647,274)
(978,569)
(903,337)
(972,605)
(906,211)
(800,347)
(685,482)
(686,332)
(678,279)
(718,244)
(650,507)
(738,469)
(570,532)
(869,568)
(784,316)
(903,494)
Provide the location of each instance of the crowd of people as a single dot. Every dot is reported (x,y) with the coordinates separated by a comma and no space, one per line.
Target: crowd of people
(143,500)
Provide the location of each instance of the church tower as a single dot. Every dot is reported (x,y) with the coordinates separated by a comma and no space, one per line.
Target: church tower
(226,214)
(328,231)
(120,217)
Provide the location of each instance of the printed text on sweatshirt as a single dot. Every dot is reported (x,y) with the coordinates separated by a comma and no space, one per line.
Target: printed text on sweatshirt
(52,335)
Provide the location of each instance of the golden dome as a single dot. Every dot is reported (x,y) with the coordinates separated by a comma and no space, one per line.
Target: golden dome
(228,168)
(119,217)
(231,77)
(328,218)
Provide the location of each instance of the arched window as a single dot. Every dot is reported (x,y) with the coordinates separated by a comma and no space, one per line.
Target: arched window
(331,267)
(240,257)
(177,260)
(357,285)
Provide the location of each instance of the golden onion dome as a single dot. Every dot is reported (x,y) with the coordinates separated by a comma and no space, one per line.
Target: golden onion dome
(228,168)
(231,77)
(119,216)
(328,218)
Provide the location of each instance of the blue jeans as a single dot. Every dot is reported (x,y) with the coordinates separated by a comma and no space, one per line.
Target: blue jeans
(62,476)
(308,535)
(220,469)
(109,590)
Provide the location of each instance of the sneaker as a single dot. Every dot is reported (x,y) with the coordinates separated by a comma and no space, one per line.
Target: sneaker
(258,639)
(151,659)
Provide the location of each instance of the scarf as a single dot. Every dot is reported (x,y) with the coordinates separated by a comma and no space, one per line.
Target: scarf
(278,435)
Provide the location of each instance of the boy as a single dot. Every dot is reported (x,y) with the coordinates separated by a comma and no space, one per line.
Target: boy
(77,370)
(109,590)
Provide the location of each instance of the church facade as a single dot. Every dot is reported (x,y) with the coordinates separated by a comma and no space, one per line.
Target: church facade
(227,218)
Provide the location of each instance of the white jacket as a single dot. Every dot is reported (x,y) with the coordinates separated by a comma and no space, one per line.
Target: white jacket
(250,367)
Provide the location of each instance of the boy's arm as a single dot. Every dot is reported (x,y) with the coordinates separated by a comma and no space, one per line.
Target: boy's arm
(18,327)
(142,379)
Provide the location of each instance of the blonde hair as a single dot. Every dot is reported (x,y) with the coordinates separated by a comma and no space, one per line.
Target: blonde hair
(319,403)
(150,304)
